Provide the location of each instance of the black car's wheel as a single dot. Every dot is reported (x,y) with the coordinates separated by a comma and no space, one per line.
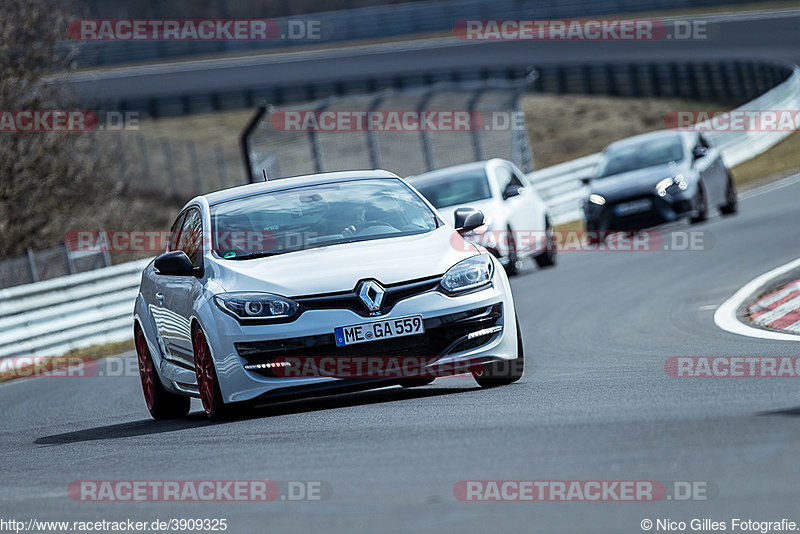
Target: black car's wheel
(161,403)
(549,256)
(593,236)
(731,205)
(512,267)
(700,206)
(504,372)
(207,383)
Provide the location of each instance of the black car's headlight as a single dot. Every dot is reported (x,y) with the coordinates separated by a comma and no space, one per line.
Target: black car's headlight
(468,274)
(664,185)
(246,306)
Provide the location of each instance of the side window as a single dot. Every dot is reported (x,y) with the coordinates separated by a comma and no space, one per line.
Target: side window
(703,142)
(174,232)
(191,238)
(504,178)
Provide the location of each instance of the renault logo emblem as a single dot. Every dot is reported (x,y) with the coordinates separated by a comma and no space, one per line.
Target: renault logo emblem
(371,294)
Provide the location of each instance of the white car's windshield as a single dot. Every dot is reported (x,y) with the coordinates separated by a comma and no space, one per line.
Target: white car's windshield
(455,188)
(318,215)
(640,155)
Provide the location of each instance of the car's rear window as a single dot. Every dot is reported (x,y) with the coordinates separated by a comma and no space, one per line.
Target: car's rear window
(456,188)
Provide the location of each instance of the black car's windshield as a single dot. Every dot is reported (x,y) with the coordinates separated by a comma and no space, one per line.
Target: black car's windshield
(640,155)
(456,188)
(318,215)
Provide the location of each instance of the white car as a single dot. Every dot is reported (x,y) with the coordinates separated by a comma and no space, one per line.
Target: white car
(285,288)
(517,223)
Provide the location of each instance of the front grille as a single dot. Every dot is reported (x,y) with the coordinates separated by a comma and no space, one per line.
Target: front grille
(441,333)
(349,300)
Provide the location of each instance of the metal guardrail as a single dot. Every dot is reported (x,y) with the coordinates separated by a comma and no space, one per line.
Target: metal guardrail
(53,317)
(561,188)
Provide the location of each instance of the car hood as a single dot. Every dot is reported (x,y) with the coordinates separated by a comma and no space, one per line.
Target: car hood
(340,267)
(633,183)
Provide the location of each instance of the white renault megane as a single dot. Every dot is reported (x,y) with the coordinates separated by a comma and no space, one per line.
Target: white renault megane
(318,284)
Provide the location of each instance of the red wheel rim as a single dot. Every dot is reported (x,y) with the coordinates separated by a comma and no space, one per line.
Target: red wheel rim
(145,370)
(204,368)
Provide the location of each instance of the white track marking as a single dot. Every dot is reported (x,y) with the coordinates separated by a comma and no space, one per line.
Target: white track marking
(725,316)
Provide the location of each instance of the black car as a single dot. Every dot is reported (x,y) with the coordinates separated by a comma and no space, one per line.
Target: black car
(656,178)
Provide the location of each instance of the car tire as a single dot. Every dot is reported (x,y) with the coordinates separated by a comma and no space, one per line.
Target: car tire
(512,267)
(416,382)
(207,382)
(502,373)
(549,256)
(701,206)
(731,205)
(160,403)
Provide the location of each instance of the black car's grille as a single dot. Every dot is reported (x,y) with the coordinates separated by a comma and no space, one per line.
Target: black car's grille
(349,300)
(442,335)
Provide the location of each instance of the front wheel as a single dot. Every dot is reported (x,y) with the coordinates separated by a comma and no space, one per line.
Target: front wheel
(503,372)
(207,383)
(700,206)
(160,403)
(548,257)
(731,205)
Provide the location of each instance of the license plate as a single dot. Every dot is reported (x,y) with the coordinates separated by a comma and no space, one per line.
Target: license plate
(374,331)
(637,206)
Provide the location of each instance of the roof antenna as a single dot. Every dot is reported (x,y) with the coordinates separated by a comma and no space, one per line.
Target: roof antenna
(264,172)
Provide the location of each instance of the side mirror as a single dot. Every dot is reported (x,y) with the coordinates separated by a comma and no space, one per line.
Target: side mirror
(586,180)
(175,263)
(512,190)
(699,152)
(467,219)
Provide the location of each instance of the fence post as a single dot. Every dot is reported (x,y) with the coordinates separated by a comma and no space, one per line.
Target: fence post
(244,140)
(68,259)
(424,135)
(165,147)
(220,158)
(477,146)
(198,182)
(143,158)
(32,265)
(316,153)
(372,142)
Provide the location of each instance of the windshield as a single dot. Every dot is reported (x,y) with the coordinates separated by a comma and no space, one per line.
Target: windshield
(455,188)
(318,215)
(640,155)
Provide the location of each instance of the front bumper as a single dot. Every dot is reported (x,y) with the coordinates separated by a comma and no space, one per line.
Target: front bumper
(447,319)
(662,210)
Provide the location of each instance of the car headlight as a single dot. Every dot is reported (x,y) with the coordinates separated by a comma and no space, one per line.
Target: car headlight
(256,305)
(468,274)
(597,199)
(666,183)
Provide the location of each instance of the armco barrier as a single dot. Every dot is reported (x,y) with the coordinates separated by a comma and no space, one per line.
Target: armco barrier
(52,317)
(561,187)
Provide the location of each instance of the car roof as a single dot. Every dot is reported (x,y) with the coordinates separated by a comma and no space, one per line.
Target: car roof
(651,136)
(446,172)
(240,191)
